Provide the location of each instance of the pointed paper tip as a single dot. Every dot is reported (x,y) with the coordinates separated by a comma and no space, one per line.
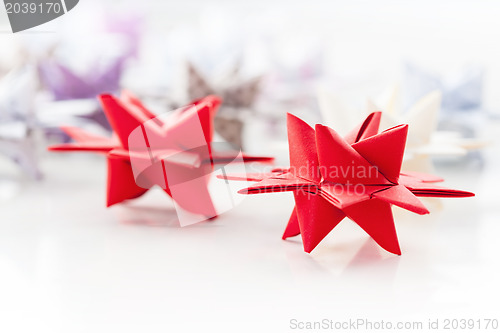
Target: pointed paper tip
(398,128)
(104,99)
(295,127)
(466,194)
(111,200)
(308,248)
(293,119)
(308,243)
(211,102)
(424,211)
(110,203)
(376,117)
(104,96)
(215,100)
(287,235)
(318,126)
(369,127)
(396,250)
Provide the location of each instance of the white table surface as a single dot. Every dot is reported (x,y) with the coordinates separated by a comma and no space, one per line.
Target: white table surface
(68,264)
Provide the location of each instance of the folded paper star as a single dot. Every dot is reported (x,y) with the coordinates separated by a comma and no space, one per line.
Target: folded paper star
(239,95)
(464,93)
(80,88)
(174,153)
(18,125)
(424,139)
(98,54)
(357,176)
(462,106)
(65,83)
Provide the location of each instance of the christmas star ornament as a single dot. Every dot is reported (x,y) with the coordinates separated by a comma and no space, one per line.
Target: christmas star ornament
(74,92)
(357,176)
(175,152)
(462,93)
(65,83)
(239,96)
(18,125)
(424,138)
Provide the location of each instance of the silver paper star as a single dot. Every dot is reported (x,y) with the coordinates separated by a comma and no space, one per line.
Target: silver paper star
(18,128)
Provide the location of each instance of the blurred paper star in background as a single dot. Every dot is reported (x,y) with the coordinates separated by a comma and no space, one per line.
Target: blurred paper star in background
(18,127)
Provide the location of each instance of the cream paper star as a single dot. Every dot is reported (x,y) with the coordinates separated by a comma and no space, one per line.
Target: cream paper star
(424,139)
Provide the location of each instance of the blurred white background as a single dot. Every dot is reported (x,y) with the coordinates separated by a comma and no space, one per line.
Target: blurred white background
(366,40)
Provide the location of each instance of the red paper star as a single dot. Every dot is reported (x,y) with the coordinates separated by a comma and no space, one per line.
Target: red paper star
(357,176)
(146,150)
